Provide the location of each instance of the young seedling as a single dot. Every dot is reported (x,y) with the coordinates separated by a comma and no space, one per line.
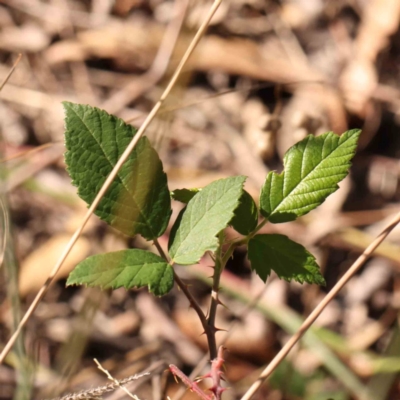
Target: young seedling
(139,202)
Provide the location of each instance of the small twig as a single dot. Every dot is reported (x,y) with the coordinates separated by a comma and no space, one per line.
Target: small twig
(110,179)
(160,250)
(193,386)
(99,391)
(249,88)
(154,368)
(116,382)
(11,71)
(5,229)
(22,173)
(184,288)
(218,268)
(215,374)
(192,301)
(29,152)
(203,362)
(79,72)
(156,387)
(321,306)
(158,68)
(220,262)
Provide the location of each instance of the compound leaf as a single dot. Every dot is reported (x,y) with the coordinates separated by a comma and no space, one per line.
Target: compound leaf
(313,169)
(126,268)
(138,200)
(205,216)
(246,215)
(290,260)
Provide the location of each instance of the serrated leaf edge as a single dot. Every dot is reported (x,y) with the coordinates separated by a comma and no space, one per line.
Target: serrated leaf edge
(354,135)
(143,139)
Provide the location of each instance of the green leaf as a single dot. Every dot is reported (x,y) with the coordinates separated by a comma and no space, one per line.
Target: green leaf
(246,215)
(290,260)
(126,268)
(205,216)
(313,169)
(138,200)
(175,227)
(184,195)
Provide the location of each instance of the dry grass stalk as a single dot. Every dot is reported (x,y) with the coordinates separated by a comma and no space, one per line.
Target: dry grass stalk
(318,310)
(111,178)
(115,381)
(11,71)
(97,392)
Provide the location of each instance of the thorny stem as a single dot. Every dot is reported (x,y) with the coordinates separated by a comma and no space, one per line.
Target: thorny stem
(203,362)
(110,179)
(218,268)
(99,391)
(192,301)
(160,250)
(215,374)
(320,308)
(220,262)
(193,386)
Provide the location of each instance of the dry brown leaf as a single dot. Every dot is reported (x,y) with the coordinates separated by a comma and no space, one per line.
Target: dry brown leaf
(261,140)
(133,43)
(37,266)
(29,37)
(234,56)
(359,79)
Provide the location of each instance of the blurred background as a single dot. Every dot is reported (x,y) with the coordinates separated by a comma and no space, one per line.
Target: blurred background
(266,74)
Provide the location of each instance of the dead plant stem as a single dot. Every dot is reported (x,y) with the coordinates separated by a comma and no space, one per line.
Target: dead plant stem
(111,178)
(11,71)
(203,362)
(318,310)
(158,68)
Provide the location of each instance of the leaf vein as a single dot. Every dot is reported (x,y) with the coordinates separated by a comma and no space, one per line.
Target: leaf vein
(112,166)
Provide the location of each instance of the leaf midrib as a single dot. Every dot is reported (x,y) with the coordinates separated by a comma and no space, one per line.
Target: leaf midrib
(192,228)
(280,205)
(112,167)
